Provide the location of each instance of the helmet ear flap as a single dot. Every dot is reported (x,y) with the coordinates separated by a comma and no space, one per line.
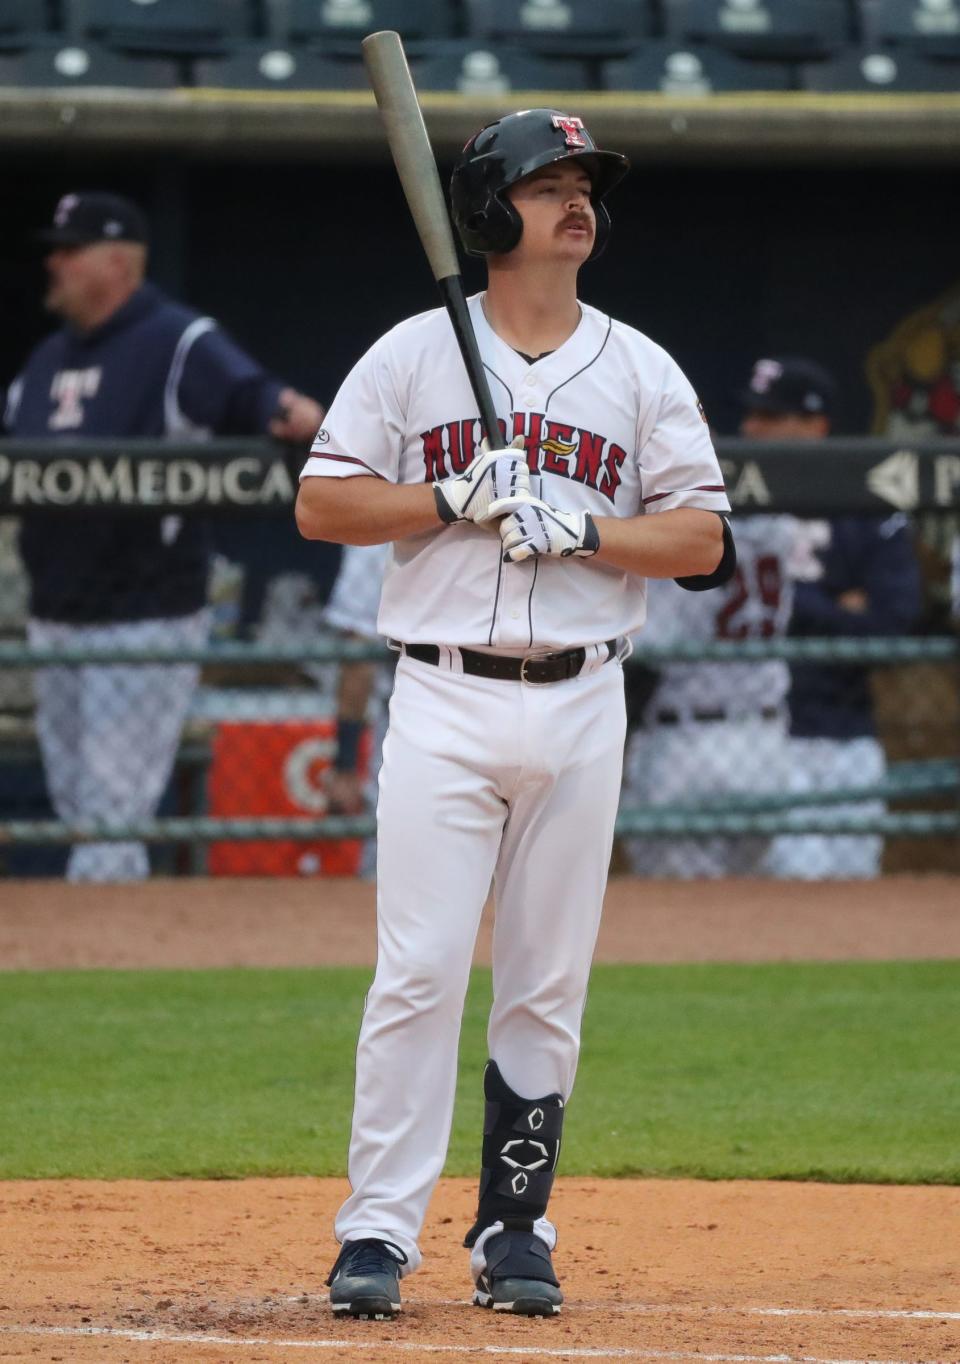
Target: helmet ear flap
(493,229)
(602,232)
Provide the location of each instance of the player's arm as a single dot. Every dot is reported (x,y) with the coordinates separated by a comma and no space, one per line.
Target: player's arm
(492,485)
(364,510)
(682,543)
(344,783)
(686,543)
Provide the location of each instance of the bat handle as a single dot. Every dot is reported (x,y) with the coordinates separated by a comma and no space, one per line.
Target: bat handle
(451,291)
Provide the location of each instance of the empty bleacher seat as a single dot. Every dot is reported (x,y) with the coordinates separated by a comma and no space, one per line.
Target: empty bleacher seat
(582,27)
(85,64)
(342,23)
(692,70)
(177,26)
(929,26)
(788,30)
(473,69)
(883,69)
(20,22)
(273,67)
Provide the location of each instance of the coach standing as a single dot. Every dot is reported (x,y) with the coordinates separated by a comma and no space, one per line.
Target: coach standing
(127,362)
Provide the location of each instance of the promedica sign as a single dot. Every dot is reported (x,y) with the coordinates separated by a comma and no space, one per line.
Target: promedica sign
(146,475)
(840,476)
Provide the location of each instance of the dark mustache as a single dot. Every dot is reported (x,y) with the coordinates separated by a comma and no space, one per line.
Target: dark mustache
(579,219)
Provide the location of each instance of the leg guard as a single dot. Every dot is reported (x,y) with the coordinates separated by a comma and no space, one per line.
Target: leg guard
(521,1145)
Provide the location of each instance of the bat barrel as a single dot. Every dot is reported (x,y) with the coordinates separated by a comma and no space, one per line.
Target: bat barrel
(393,87)
(416,165)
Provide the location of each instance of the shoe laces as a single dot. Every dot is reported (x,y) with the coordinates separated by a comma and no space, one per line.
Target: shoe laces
(367,1256)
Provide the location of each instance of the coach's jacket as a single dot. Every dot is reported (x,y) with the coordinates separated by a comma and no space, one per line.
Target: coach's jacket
(154,368)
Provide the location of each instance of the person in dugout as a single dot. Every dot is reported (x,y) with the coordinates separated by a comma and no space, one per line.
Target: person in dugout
(126,362)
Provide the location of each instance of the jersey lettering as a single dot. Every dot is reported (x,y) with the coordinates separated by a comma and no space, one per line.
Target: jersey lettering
(611,479)
(557,448)
(552,447)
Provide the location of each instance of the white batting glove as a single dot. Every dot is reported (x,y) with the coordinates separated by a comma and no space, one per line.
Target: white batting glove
(537,528)
(495,483)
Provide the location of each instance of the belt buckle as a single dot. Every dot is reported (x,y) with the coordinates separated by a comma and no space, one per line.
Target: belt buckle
(530,658)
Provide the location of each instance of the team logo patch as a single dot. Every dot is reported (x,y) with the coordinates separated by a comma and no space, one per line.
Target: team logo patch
(64,209)
(321,437)
(557,447)
(572,129)
(765,373)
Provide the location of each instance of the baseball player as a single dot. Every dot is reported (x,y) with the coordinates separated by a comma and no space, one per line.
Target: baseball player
(362,688)
(856,576)
(126,362)
(513,579)
(712,728)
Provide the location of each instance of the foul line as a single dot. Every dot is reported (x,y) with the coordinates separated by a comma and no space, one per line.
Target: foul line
(694,1309)
(240,1342)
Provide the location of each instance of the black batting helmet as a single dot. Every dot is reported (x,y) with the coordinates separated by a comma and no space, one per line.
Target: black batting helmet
(504,152)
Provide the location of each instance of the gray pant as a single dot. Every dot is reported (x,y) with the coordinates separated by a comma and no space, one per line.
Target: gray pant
(109,733)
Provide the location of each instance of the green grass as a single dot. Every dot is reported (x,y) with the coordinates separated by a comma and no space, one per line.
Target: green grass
(836,1071)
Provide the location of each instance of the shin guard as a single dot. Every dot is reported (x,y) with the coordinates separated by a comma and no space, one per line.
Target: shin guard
(521,1145)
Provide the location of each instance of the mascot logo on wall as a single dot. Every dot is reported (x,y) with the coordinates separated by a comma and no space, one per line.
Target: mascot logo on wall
(915,373)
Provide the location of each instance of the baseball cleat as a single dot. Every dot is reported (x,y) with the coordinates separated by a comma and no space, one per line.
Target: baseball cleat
(365,1281)
(518,1277)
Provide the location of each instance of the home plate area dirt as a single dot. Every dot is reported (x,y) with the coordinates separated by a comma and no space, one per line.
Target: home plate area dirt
(173,1272)
(652,1270)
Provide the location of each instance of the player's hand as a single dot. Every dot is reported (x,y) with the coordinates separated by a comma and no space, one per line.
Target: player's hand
(298,417)
(495,483)
(536,528)
(345,793)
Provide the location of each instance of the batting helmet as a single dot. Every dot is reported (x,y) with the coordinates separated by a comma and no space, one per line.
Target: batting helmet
(504,152)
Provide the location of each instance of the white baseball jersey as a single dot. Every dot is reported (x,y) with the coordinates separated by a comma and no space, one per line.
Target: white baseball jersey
(355,597)
(612,426)
(754,604)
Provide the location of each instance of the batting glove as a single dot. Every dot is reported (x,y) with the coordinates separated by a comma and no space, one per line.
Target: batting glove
(537,528)
(495,483)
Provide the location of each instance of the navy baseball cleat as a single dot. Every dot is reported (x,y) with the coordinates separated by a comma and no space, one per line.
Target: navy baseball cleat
(365,1281)
(519,1276)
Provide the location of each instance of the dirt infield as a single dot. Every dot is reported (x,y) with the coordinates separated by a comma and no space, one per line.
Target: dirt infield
(209,922)
(752,1273)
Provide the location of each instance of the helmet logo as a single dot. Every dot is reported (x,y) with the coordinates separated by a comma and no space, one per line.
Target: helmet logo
(572,129)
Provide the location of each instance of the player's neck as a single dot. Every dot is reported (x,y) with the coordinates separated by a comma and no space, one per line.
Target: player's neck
(531,312)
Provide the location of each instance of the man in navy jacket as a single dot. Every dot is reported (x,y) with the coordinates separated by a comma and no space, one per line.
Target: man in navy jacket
(127,362)
(858,577)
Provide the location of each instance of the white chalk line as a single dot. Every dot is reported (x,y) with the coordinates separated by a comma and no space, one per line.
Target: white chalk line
(385,1346)
(694,1309)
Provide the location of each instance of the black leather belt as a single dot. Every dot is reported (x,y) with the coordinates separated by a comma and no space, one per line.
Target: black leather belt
(673,717)
(536,668)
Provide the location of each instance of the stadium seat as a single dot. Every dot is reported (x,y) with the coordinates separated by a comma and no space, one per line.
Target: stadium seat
(20,22)
(572,27)
(880,69)
(787,30)
(174,26)
(273,67)
(85,64)
(673,69)
(475,70)
(342,23)
(928,26)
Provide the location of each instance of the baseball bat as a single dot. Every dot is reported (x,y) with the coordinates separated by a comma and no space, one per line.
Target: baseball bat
(386,64)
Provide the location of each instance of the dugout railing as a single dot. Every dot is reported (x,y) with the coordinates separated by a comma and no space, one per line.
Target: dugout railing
(918,796)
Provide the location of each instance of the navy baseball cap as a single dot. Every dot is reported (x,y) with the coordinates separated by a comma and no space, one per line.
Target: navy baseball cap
(81,219)
(789,383)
